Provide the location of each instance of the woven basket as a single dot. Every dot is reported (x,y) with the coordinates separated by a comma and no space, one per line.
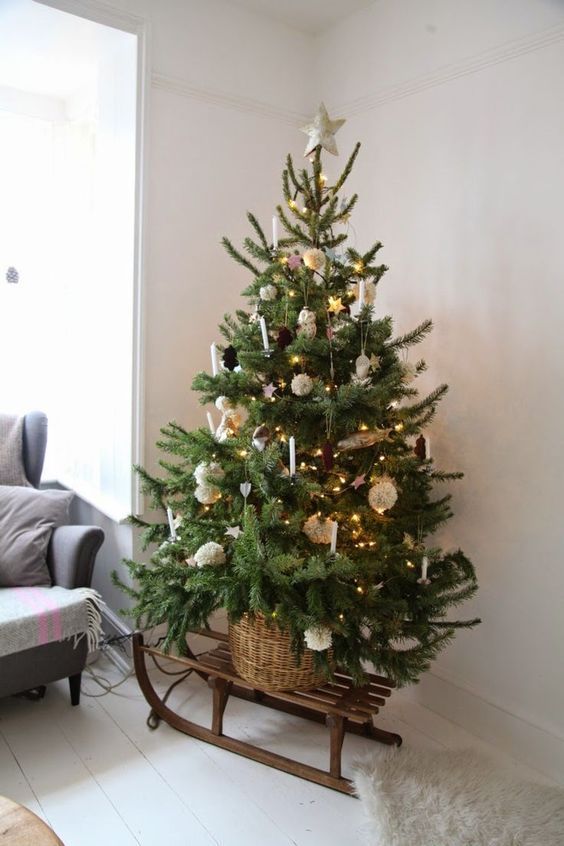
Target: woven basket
(262,655)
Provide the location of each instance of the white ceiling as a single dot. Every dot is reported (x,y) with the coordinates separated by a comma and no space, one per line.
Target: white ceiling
(49,52)
(310,16)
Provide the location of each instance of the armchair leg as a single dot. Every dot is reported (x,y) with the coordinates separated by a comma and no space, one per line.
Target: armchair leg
(74,684)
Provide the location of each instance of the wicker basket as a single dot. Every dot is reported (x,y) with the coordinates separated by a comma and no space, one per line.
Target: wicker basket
(262,655)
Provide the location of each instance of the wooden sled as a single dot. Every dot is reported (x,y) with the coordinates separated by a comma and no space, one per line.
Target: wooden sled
(338,704)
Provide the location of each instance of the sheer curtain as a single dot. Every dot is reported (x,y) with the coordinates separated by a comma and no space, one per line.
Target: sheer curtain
(66,225)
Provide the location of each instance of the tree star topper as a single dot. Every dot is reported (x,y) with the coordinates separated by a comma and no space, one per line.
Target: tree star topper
(322,132)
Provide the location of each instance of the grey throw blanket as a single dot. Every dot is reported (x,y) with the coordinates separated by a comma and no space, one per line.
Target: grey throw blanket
(12,471)
(33,616)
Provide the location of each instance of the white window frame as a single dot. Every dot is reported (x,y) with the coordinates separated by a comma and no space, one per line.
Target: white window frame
(138,26)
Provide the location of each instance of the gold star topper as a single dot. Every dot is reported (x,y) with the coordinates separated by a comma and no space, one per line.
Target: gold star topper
(322,132)
(335,305)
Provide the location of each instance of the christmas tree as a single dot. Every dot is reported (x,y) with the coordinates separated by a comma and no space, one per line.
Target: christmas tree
(313,500)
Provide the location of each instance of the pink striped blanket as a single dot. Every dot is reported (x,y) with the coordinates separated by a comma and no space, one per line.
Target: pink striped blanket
(33,616)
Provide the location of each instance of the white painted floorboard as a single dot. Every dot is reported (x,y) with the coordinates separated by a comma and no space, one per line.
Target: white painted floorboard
(98,775)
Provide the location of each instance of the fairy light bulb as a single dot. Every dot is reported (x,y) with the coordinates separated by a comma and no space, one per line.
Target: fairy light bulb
(322,179)
(360,589)
(358,266)
(292,204)
(363,427)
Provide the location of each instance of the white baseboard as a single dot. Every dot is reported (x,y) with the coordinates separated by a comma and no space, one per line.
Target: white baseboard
(533,745)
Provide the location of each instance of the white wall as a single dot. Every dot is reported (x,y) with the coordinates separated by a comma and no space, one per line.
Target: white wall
(461,175)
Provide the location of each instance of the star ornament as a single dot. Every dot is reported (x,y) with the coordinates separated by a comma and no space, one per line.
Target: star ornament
(335,305)
(233,531)
(268,390)
(322,132)
(359,481)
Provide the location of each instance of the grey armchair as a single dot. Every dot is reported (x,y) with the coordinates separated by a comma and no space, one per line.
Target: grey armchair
(70,558)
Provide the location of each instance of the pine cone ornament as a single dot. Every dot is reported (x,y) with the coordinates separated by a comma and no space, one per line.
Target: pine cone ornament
(230,359)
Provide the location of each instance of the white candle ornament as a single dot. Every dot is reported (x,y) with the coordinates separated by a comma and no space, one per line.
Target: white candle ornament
(424,580)
(334,529)
(214,362)
(211,424)
(292,446)
(427,447)
(264,333)
(424,567)
(275,232)
(361,293)
(170,517)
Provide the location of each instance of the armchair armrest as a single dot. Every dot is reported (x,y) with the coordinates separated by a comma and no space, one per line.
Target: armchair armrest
(71,555)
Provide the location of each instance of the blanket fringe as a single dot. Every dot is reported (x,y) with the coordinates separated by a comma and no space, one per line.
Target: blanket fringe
(94,603)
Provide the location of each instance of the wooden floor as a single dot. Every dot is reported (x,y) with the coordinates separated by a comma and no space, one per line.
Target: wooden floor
(99,776)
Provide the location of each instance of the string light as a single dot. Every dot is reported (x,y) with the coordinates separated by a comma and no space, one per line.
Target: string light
(363,427)
(292,204)
(360,589)
(243,453)
(322,178)
(294,359)
(382,458)
(410,564)
(303,465)
(358,266)
(399,427)
(283,259)
(343,479)
(341,617)
(291,293)
(356,518)
(337,488)
(328,388)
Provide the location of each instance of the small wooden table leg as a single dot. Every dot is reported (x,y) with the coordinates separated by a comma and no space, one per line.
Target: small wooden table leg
(221,689)
(337,734)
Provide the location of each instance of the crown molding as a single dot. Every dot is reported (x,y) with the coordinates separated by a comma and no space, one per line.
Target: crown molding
(182,88)
(99,12)
(506,52)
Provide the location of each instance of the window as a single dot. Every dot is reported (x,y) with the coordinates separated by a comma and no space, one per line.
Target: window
(67,224)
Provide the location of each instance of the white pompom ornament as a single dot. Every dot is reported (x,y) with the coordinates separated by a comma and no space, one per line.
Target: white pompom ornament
(205,472)
(302,385)
(268,293)
(318,638)
(382,495)
(207,494)
(409,372)
(211,554)
(314,259)
(318,531)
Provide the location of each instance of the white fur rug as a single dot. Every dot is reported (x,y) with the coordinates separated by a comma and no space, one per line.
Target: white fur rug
(454,798)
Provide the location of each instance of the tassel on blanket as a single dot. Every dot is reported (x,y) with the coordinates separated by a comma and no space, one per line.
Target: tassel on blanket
(94,603)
